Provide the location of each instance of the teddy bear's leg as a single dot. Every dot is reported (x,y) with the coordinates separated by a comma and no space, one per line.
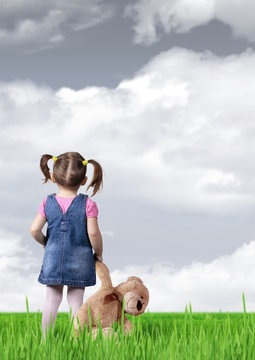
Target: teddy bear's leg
(128,326)
(83,320)
(107,332)
(94,333)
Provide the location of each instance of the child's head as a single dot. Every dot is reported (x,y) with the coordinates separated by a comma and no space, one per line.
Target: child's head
(69,171)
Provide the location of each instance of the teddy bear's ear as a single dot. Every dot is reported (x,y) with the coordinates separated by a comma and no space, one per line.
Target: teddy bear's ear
(130,278)
(110,297)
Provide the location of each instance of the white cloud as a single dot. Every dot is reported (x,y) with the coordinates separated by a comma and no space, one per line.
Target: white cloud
(16,260)
(19,270)
(182,15)
(43,24)
(179,133)
(208,286)
(218,178)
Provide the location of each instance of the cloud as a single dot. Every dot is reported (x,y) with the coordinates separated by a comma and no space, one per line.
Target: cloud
(16,278)
(19,271)
(179,133)
(152,18)
(177,138)
(213,286)
(44,24)
(208,286)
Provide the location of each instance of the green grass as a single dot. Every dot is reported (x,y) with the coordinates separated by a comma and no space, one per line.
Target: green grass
(175,336)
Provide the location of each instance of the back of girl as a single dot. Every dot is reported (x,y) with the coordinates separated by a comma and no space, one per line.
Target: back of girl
(72,233)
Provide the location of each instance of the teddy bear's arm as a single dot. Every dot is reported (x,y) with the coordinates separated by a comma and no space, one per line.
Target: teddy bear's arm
(104,275)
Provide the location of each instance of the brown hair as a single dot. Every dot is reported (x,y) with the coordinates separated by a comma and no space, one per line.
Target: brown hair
(69,170)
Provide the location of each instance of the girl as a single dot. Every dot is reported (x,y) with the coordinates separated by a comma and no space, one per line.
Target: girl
(71,234)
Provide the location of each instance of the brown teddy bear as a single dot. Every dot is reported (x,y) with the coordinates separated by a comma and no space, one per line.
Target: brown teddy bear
(107,302)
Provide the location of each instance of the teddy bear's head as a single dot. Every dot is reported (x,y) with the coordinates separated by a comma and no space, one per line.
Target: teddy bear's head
(136,295)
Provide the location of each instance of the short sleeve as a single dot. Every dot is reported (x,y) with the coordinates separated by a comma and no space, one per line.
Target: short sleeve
(91,208)
(41,210)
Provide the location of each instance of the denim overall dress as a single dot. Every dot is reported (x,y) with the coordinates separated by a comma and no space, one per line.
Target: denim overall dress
(68,256)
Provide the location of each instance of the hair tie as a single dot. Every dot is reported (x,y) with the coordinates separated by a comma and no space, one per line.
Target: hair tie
(85,162)
(55,158)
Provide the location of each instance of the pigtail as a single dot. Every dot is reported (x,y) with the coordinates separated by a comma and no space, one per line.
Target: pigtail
(97,180)
(44,166)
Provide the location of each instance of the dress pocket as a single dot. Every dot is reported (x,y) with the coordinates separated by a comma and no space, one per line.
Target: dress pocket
(80,266)
(51,263)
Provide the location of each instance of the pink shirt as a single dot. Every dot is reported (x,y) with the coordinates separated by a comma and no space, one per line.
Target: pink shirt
(91,206)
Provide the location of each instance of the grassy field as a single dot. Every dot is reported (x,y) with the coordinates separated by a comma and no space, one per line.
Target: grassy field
(181,336)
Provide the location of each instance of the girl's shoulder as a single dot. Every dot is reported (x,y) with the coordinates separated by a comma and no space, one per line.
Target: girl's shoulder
(89,201)
(91,208)
(45,199)
(41,209)
(42,205)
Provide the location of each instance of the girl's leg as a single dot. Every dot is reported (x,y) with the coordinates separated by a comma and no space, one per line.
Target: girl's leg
(75,298)
(54,296)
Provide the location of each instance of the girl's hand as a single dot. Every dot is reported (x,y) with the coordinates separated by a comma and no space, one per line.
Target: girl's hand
(98,257)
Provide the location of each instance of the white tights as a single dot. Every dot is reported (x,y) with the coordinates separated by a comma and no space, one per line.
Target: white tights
(54,296)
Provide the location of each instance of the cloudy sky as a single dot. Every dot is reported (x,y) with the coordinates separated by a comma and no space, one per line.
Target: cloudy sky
(161,94)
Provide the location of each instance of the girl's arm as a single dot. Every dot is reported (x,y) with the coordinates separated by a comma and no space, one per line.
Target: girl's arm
(95,237)
(36,229)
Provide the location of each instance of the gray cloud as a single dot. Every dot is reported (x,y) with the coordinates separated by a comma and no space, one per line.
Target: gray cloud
(151,18)
(44,24)
(173,139)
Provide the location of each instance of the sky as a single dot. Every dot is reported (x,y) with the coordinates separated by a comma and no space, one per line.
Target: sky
(161,94)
